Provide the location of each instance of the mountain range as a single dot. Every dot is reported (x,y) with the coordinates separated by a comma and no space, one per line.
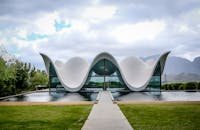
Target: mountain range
(177,65)
(178,69)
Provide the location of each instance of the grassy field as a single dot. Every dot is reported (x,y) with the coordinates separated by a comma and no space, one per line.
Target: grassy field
(163,116)
(68,117)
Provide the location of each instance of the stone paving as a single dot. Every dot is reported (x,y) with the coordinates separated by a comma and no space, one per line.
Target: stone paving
(106,116)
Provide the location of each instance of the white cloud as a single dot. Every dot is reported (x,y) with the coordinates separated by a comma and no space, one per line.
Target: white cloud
(183,28)
(147,30)
(79,25)
(121,28)
(191,17)
(99,13)
(22,33)
(45,23)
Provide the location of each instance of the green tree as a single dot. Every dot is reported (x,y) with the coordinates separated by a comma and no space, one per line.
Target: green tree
(39,78)
(2,76)
(7,78)
(2,71)
(22,75)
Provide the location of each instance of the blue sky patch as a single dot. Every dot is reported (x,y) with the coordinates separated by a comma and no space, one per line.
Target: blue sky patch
(33,36)
(59,25)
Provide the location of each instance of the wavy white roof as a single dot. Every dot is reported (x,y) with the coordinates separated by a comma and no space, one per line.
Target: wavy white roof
(135,72)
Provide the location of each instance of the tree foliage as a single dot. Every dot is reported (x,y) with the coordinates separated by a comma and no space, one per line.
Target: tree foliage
(182,86)
(19,76)
(39,78)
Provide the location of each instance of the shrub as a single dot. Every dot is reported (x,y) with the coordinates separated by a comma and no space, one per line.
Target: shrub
(170,86)
(175,86)
(182,86)
(191,86)
(164,87)
(198,85)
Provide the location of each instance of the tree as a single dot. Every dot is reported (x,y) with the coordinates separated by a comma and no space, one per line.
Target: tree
(39,78)
(2,76)
(22,75)
(18,76)
(2,71)
(7,78)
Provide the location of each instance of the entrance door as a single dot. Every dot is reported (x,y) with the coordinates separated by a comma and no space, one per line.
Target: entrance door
(108,70)
(103,75)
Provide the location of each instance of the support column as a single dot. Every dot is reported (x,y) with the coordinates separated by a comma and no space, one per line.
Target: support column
(104,76)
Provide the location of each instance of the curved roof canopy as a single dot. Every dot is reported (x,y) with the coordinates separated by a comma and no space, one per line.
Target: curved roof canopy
(135,72)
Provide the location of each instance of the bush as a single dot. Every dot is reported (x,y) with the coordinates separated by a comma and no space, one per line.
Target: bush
(198,86)
(191,86)
(164,87)
(175,86)
(182,86)
(170,87)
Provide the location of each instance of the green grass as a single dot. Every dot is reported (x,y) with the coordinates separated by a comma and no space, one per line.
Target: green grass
(42,117)
(163,116)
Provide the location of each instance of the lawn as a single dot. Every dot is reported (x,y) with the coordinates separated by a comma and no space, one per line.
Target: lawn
(67,117)
(162,116)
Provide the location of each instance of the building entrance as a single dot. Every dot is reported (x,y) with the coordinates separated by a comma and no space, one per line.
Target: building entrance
(105,75)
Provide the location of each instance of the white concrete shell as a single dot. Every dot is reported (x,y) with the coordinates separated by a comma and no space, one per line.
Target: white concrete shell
(135,73)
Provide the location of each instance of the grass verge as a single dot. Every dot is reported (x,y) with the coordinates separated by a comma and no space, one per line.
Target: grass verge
(162,116)
(51,117)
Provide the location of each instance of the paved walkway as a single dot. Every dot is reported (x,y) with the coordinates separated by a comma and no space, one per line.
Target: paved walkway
(106,116)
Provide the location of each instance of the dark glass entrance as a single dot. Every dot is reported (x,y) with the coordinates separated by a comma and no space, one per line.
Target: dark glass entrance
(105,76)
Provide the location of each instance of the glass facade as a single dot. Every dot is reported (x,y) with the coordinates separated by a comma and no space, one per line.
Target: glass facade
(54,81)
(155,82)
(105,76)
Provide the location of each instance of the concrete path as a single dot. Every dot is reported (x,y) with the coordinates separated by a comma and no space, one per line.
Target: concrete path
(106,116)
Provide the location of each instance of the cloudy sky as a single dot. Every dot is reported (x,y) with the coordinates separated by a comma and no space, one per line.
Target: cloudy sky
(67,28)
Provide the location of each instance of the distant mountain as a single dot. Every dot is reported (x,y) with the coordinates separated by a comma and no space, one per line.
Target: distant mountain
(177,65)
(196,62)
(154,57)
(182,77)
(179,69)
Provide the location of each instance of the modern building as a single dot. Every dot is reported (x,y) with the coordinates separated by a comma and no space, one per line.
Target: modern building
(131,74)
